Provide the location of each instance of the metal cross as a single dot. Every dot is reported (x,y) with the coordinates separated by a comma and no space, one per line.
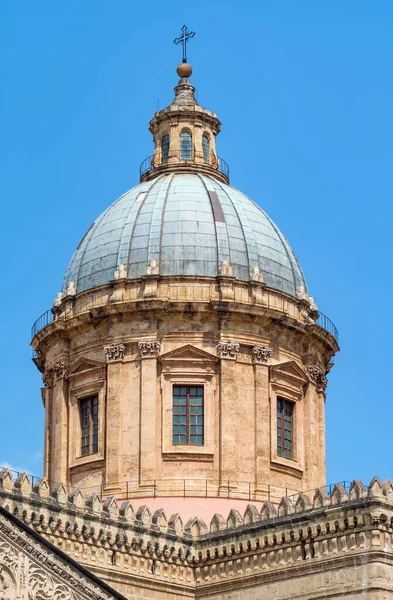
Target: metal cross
(185,36)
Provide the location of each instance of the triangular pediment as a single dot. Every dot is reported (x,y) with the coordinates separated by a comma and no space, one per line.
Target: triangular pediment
(289,371)
(83,365)
(188,353)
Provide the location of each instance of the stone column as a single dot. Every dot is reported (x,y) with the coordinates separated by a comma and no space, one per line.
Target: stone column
(148,412)
(228,351)
(114,409)
(260,356)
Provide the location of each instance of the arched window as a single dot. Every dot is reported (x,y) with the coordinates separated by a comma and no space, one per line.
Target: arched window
(165,148)
(206,147)
(185,145)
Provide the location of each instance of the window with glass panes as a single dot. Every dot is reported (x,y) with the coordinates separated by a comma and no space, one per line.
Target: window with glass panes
(89,425)
(165,148)
(205,148)
(284,428)
(187,425)
(185,145)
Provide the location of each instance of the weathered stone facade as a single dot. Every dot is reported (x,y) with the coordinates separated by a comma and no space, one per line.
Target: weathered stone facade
(245,345)
(329,545)
(230,516)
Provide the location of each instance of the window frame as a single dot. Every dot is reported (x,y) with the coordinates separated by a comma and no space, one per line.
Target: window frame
(206,149)
(185,153)
(165,153)
(282,407)
(188,365)
(288,381)
(87,382)
(93,403)
(189,406)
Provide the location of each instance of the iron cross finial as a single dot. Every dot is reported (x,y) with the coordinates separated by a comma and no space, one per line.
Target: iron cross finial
(183,39)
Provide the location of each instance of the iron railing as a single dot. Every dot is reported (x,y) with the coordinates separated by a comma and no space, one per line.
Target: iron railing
(181,157)
(42,321)
(195,488)
(45,319)
(325,323)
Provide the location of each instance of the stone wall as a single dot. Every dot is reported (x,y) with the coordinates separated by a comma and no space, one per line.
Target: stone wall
(326,546)
(130,352)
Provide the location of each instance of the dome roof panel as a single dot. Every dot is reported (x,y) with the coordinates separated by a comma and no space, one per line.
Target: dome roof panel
(189,223)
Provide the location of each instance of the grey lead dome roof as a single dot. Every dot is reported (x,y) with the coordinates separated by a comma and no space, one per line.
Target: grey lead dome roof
(189,224)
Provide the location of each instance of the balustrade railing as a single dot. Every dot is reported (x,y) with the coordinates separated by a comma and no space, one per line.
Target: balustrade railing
(193,488)
(184,157)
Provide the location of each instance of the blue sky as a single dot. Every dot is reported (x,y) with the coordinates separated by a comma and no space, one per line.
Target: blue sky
(304,90)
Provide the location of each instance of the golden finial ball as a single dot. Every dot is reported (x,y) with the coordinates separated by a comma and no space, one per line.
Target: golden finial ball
(184,70)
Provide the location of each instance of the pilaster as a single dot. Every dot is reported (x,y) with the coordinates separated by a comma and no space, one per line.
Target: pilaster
(262,423)
(58,439)
(149,440)
(114,420)
(228,351)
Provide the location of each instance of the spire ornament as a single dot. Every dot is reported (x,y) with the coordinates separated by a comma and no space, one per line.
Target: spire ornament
(183,39)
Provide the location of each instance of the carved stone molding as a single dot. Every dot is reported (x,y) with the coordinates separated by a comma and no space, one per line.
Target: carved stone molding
(43,574)
(261,354)
(114,352)
(228,350)
(317,375)
(149,349)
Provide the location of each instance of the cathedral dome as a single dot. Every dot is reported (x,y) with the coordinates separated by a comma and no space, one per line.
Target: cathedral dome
(190,224)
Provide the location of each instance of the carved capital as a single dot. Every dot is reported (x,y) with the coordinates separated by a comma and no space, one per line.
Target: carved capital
(114,352)
(228,349)
(149,349)
(48,378)
(261,354)
(60,369)
(56,372)
(317,376)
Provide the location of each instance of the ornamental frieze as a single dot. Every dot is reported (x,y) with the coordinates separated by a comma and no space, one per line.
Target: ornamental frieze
(317,375)
(261,355)
(228,350)
(149,349)
(114,352)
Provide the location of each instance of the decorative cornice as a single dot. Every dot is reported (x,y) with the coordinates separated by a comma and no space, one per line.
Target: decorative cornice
(149,349)
(261,354)
(228,350)
(114,352)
